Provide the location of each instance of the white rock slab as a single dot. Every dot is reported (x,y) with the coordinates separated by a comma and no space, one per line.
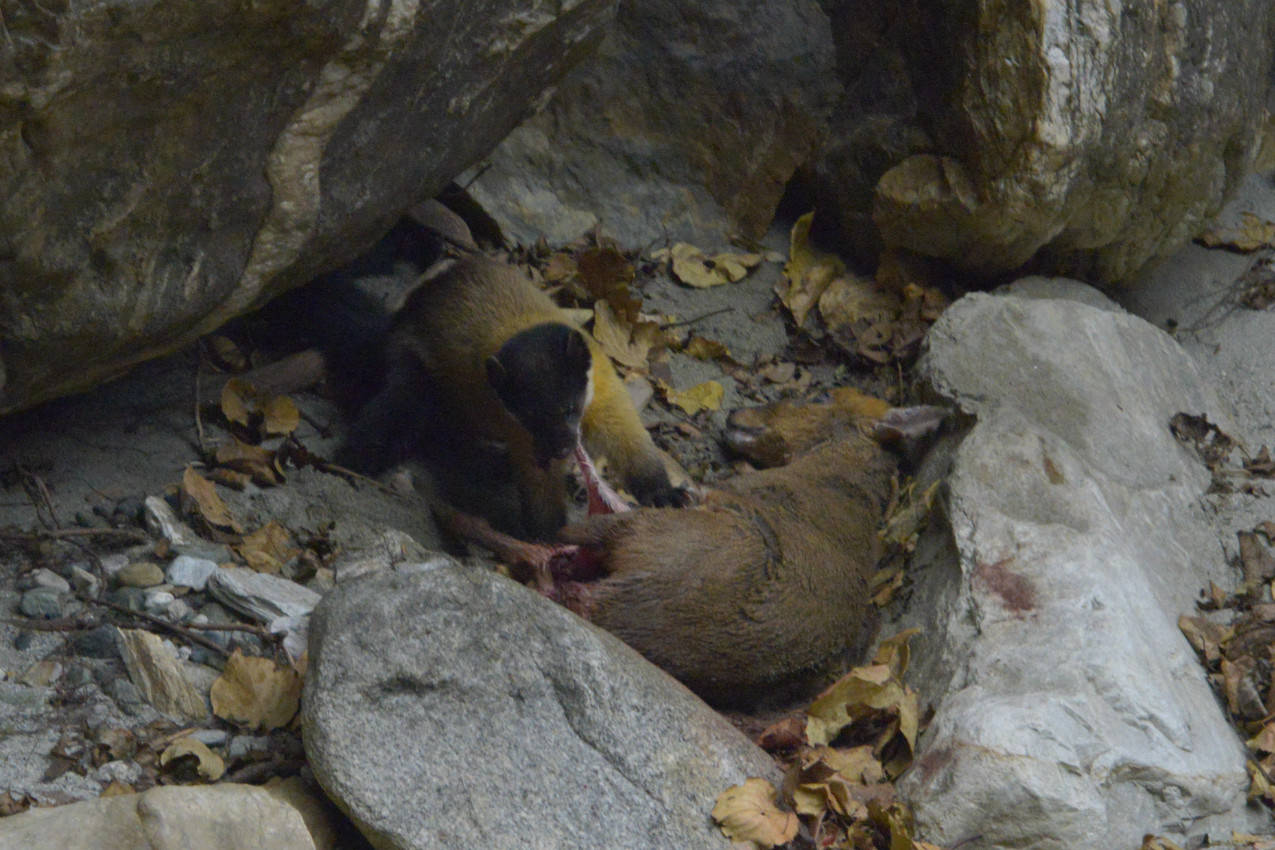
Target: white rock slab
(1071,712)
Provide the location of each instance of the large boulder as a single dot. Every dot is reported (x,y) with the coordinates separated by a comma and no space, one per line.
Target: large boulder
(451,707)
(686,125)
(171,165)
(1070,710)
(1094,137)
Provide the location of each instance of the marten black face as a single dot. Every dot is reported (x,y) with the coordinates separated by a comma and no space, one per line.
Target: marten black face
(541,376)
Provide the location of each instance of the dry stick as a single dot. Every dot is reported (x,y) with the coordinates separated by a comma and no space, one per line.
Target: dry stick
(699,318)
(38,492)
(67,533)
(159,621)
(199,419)
(231,627)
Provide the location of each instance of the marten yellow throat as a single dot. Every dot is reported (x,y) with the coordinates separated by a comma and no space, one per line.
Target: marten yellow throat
(497,360)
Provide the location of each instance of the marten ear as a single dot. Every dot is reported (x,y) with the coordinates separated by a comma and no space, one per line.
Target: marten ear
(496,374)
(575,351)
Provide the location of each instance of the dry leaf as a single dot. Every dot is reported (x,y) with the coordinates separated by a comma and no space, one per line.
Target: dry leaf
(849,299)
(560,267)
(116,789)
(256,692)
(225,353)
(199,494)
(694,268)
(281,416)
(258,463)
(625,343)
(208,763)
(705,396)
(702,348)
(748,813)
(863,692)
(807,273)
(268,548)
(245,405)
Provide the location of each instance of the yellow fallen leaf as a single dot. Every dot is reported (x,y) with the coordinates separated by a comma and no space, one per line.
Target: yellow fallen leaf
(849,299)
(256,692)
(627,344)
(705,396)
(702,348)
(242,404)
(116,789)
(694,268)
(748,813)
(807,273)
(208,763)
(200,494)
(268,548)
(281,415)
(857,693)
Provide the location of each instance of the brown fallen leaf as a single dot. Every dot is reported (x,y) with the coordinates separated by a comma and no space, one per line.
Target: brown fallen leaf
(606,274)
(200,497)
(748,813)
(261,465)
(208,764)
(280,416)
(268,548)
(849,299)
(244,405)
(256,692)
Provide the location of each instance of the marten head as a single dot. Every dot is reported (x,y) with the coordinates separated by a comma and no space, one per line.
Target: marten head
(541,376)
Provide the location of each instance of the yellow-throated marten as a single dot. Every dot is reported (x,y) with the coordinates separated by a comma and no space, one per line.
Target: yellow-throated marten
(487,355)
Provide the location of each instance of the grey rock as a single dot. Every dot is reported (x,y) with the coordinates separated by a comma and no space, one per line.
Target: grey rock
(132,598)
(1075,538)
(1094,140)
(260,596)
(126,694)
(127,772)
(205,551)
(188,571)
(85,582)
(198,195)
(158,601)
(211,737)
(429,689)
(140,574)
(154,667)
(46,603)
(96,643)
(160,519)
(47,578)
(242,746)
(77,675)
(686,125)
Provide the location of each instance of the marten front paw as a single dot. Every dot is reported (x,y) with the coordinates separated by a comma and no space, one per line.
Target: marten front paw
(659,492)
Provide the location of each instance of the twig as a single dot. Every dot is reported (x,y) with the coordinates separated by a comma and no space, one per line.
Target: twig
(38,492)
(66,533)
(700,318)
(199,418)
(259,770)
(231,627)
(159,621)
(81,622)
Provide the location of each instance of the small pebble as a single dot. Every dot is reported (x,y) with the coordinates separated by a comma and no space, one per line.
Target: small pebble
(126,694)
(128,511)
(112,564)
(44,577)
(42,674)
(85,582)
(132,598)
(241,745)
(140,574)
(157,601)
(188,571)
(210,737)
(77,676)
(46,603)
(128,772)
(96,643)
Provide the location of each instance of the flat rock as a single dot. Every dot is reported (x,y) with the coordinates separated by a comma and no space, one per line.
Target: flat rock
(158,674)
(1070,710)
(451,707)
(284,816)
(261,596)
(186,571)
